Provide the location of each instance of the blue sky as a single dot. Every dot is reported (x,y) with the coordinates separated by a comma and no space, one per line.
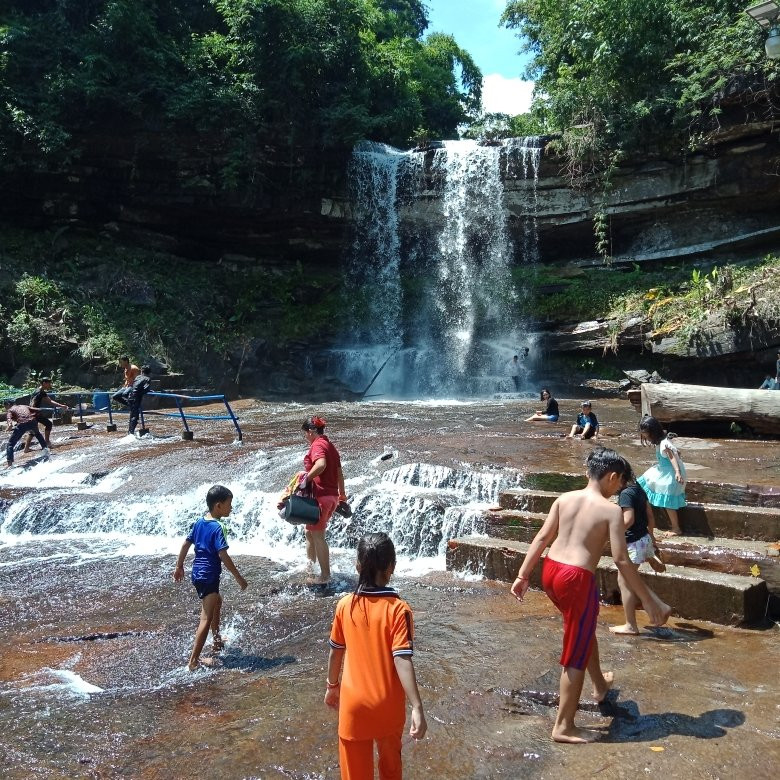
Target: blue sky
(474,24)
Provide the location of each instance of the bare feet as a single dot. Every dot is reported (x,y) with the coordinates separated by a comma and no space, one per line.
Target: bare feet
(667,534)
(600,691)
(318,581)
(625,629)
(666,612)
(207,662)
(575,736)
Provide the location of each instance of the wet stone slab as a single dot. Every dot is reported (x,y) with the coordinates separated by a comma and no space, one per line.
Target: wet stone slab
(93,548)
(487,668)
(693,593)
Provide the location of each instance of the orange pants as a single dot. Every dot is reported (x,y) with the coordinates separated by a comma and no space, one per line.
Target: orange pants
(356,758)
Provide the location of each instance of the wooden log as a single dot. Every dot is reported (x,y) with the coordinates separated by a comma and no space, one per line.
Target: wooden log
(670,402)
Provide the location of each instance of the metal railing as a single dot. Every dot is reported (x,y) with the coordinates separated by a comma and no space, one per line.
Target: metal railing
(186,433)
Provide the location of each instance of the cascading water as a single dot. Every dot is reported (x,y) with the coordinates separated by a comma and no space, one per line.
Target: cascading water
(419,505)
(435,310)
(375,260)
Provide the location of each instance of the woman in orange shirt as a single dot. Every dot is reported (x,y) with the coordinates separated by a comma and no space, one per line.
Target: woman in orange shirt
(372,636)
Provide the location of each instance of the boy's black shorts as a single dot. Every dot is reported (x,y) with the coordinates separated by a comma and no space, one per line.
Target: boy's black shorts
(206,588)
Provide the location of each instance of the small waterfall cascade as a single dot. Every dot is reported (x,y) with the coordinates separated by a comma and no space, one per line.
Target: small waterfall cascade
(523,157)
(435,310)
(473,253)
(420,505)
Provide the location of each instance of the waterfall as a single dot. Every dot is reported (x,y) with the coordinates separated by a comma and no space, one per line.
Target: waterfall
(430,269)
(420,505)
(373,279)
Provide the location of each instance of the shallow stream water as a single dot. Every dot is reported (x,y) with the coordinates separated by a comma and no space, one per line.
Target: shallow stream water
(94,634)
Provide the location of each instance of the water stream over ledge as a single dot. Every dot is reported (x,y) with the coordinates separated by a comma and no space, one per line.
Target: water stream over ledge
(430,269)
(94,633)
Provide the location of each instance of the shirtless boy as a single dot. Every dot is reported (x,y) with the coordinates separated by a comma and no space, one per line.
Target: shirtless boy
(131,371)
(577,527)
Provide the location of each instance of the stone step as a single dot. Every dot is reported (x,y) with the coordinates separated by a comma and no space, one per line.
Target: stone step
(726,520)
(725,493)
(730,556)
(536,501)
(715,520)
(513,524)
(696,491)
(698,594)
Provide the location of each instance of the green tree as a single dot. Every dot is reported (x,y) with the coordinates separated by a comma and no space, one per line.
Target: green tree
(239,74)
(639,71)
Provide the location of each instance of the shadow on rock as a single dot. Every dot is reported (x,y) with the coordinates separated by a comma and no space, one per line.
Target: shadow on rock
(629,725)
(681,632)
(254,663)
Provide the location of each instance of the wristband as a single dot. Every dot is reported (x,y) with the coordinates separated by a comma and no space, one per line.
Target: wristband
(332,685)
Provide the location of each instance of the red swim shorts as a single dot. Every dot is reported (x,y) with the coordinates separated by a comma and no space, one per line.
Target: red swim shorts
(573,591)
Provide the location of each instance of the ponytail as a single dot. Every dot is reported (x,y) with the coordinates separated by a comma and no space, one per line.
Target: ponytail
(375,554)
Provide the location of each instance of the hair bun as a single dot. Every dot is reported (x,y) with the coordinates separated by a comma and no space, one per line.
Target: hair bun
(318,422)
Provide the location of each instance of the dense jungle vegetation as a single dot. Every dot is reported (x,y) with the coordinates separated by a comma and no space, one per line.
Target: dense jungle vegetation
(244,81)
(611,75)
(241,73)
(621,76)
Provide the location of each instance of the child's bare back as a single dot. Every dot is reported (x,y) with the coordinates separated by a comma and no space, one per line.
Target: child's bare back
(584,519)
(576,529)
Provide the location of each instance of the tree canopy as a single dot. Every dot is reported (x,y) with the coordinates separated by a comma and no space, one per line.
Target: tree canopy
(639,70)
(244,73)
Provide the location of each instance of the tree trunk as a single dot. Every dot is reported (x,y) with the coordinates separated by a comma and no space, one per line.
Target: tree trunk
(669,402)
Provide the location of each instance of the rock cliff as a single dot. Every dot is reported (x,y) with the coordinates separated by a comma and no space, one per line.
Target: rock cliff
(719,203)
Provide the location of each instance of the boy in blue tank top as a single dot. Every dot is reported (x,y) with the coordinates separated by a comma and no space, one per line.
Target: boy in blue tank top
(211,551)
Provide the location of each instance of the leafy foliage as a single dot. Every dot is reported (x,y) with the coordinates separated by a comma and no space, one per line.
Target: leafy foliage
(98,299)
(633,72)
(491,127)
(241,74)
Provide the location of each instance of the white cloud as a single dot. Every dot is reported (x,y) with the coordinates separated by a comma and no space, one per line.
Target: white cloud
(501,95)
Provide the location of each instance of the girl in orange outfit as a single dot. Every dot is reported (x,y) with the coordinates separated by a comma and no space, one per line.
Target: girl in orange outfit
(372,635)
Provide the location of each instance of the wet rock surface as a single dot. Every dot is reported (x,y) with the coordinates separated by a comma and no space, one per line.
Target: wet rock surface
(123,706)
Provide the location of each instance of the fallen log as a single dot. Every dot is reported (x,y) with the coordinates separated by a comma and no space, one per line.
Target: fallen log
(672,403)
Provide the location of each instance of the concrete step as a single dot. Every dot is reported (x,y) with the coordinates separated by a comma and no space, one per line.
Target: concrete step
(696,491)
(513,524)
(715,520)
(730,556)
(698,594)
